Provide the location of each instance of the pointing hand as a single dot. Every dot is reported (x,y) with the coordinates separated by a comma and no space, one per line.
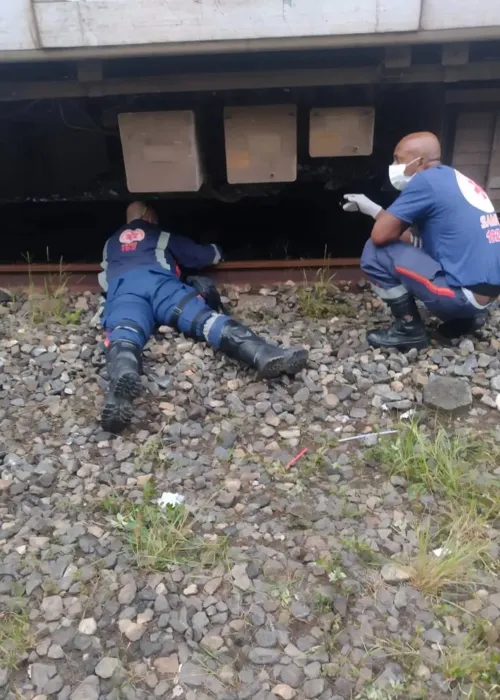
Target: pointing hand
(361,203)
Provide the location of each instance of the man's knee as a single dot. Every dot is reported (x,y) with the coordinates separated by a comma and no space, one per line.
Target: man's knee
(195,319)
(368,257)
(376,261)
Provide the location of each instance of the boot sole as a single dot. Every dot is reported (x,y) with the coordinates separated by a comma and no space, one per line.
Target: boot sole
(403,347)
(118,411)
(291,364)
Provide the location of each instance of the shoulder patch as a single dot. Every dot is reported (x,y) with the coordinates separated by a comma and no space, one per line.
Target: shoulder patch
(132,235)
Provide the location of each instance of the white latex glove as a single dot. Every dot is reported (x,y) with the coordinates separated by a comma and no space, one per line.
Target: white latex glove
(359,202)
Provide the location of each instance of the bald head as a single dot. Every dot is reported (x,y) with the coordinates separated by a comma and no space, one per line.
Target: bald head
(140,210)
(420,151)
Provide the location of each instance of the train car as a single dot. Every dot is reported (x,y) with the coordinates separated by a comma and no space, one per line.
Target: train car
(244,120)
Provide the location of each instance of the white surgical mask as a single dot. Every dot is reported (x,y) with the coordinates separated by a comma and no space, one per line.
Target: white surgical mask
(397,175)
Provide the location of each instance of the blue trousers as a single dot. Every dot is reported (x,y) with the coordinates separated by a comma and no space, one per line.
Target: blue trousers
(144,298)
(398,268)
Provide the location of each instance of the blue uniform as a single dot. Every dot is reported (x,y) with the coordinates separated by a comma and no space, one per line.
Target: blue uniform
(460,254)
(140,275)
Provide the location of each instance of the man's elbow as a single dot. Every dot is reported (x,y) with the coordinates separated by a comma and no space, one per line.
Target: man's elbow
(378,237)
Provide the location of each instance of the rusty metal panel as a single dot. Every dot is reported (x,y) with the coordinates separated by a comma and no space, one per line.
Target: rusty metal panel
(160,151)
(493,184)
(472,147)
(261,143)
(341,131)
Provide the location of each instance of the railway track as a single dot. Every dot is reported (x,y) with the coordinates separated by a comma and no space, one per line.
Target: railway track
(83,276)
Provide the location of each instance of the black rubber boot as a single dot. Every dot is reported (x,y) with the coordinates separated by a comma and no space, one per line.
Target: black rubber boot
(240,343)
(462,326)
(124,371)
(408,330)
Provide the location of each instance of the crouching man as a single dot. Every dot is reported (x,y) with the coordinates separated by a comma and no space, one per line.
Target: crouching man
(439,242)
(140,277)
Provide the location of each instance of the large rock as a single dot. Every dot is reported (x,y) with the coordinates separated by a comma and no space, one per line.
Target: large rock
(255,303)
(447,394)
(395,573)
(5,296)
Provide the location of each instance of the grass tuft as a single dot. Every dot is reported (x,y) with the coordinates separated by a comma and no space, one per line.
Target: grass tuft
(152,453)
(16,639)
(449,466)
(163,537)
(318,300)
(51,302)
(472,669)
(456,557)
(473,666)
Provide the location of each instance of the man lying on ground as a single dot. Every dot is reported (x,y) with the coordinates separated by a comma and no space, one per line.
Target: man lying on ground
(141,270)
(439,242)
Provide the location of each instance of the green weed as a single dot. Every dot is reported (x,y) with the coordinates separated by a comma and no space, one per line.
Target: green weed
(450,466)
(162,537)
(452,562)
(362,549)
(318,300)
(16,638)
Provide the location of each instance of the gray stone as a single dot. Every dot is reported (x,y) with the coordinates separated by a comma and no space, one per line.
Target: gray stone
(390,676)
(192,675)
(107,667)
(433,635)
(5,298)
(56,652)
(41,674)
(226,499)
(266,638)
(87,690)
(291,675)
(4,677)
(127,594)
(240,578)
(53,686)
(447,394)
(262,656)
(132,630)
(495,382)
(299,610)
(302,395)
(256,303)
(395,573)
(490,613)
(52,608)
(313,670)
(87,626)
(200,620)
(401,599)
(313,688)
(212,643)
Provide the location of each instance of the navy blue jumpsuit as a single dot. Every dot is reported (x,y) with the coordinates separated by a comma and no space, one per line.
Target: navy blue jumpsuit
(140,276)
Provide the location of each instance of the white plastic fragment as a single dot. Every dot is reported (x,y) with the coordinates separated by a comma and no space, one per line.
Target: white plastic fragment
(170,499)
(370,438)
